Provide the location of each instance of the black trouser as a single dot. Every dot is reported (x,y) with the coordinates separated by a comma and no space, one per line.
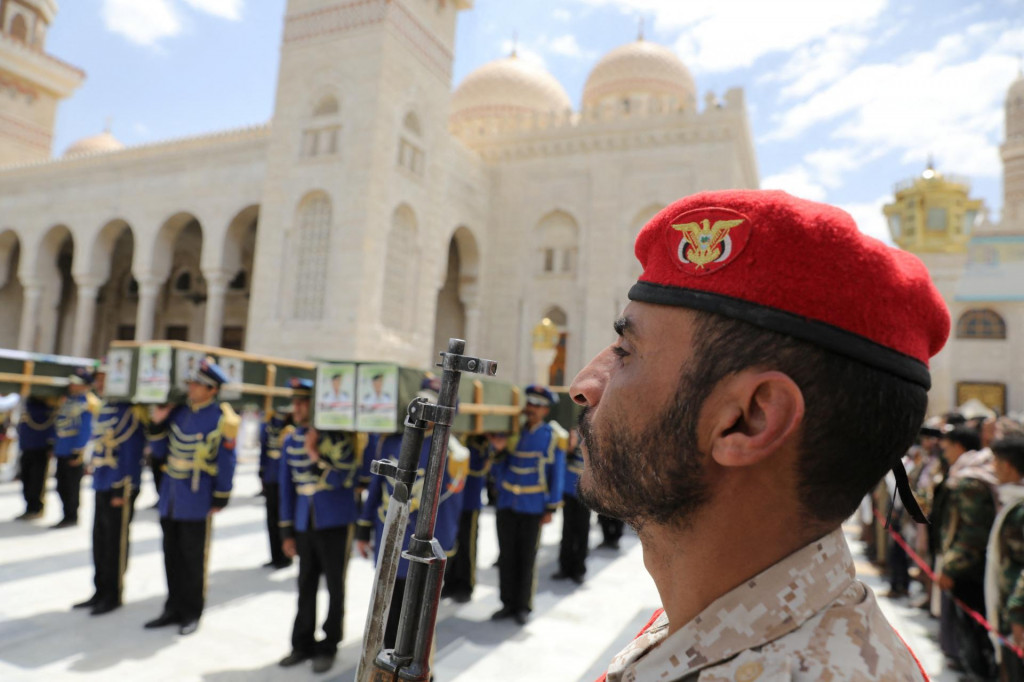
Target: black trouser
(69,484)
(518,540)
(974,646)
(156,466)
(186,546)
(271,493)
(611,529)
(572,555)
(321,552)
(460,571)
(110,544)
(898,563)
(1011,669)
(34,464)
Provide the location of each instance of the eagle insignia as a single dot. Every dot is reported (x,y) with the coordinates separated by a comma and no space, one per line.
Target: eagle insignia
(707,239)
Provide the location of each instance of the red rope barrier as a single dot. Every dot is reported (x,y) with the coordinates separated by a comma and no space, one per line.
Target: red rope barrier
(977,617)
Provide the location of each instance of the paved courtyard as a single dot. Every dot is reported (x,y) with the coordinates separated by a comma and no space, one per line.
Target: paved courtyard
(573,633)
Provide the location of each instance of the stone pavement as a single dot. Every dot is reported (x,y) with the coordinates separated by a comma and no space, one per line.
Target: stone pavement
(572,635)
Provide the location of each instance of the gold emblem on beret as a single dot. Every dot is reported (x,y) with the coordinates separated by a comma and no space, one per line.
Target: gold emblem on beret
(704,240)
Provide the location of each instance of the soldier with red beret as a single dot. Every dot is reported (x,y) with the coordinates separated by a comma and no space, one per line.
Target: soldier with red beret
(771,367)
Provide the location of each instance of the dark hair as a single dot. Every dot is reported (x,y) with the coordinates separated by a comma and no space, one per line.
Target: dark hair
(858,421)
(1012,450)
(964,436)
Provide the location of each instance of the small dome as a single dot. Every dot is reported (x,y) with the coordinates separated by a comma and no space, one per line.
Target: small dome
(506,87)
(95,144)
(640,68)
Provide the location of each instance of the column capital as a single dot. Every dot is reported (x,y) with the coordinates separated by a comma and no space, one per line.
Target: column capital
(87,280)
(217,277)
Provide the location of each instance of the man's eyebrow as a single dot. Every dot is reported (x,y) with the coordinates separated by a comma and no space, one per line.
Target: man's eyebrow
(623,326)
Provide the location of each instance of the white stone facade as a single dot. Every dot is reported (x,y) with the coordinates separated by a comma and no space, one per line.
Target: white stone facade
(379,212)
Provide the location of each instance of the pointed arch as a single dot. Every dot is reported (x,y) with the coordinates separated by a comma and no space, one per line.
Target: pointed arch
(11,292)
(557,238)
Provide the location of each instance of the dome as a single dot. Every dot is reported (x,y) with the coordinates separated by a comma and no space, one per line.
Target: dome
(640,68)
(506,87)
(96,144)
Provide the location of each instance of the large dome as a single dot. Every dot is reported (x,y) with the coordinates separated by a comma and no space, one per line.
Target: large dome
(643,69)
(95,144)
(507,87)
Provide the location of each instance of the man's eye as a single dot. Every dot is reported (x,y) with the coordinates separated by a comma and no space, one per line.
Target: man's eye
(620,351)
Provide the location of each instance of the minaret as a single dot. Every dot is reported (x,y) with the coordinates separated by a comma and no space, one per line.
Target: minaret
(32,82)
(350,244)
(1012,152)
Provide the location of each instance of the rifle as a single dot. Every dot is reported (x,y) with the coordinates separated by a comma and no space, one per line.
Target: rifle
(410,659)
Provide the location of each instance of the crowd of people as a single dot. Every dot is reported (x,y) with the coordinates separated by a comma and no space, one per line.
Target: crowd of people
(321,499)
(968,475)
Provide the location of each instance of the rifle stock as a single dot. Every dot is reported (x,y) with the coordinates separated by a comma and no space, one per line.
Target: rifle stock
(410,659)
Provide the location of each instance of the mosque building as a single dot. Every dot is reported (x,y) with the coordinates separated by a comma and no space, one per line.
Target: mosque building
(978,267)
(378,213)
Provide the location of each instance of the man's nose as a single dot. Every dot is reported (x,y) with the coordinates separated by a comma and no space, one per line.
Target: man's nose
(588,386)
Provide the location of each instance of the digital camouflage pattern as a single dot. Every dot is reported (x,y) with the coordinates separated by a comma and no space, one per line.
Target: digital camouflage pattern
(967,520)
(805,618)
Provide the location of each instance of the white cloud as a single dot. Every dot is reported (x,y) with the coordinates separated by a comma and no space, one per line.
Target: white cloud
(225,9)
(798,182)
(562,15)
(939,101)
(870,219)
(730,34)
(147,22)
(565,45)
(143,22)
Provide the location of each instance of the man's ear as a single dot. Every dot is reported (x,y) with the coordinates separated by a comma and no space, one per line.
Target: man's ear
(754,415)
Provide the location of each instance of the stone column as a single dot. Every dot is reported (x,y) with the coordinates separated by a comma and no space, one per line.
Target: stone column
(30,309)
(216,288)
(145,319)
(85,315)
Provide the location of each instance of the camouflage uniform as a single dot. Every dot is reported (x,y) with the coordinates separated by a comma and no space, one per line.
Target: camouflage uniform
(805,618)
(1011,580)
(969,513)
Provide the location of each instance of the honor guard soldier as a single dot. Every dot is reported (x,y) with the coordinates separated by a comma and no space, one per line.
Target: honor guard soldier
(118,441)
(272,433)
(460,572)
(36,434)
(380,490)
(74,431)
(572,553)
(770,368)
(197,443)
(318,512)
(529,481)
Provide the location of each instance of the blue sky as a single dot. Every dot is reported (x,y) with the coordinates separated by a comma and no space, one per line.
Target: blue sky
(845,97)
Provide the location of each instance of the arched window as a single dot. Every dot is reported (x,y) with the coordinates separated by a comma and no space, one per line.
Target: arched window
(311,242)
(397,299)
(183,282)
(19,29)
(323,136)
(410,147)
(981,324)
(556,235)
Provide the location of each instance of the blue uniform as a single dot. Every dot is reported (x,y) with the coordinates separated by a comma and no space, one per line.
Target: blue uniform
(531,478)
(118,441)
(381,489)
(272,433)
(572,553)
(74,424)
(460,572)
(319,509)
(197,445)
(74,430)
(36,433)
(317,495)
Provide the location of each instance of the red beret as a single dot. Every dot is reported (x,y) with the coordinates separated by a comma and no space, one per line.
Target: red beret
(796,267)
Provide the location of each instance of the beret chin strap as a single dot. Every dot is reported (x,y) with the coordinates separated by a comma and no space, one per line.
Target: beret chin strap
(907,495)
